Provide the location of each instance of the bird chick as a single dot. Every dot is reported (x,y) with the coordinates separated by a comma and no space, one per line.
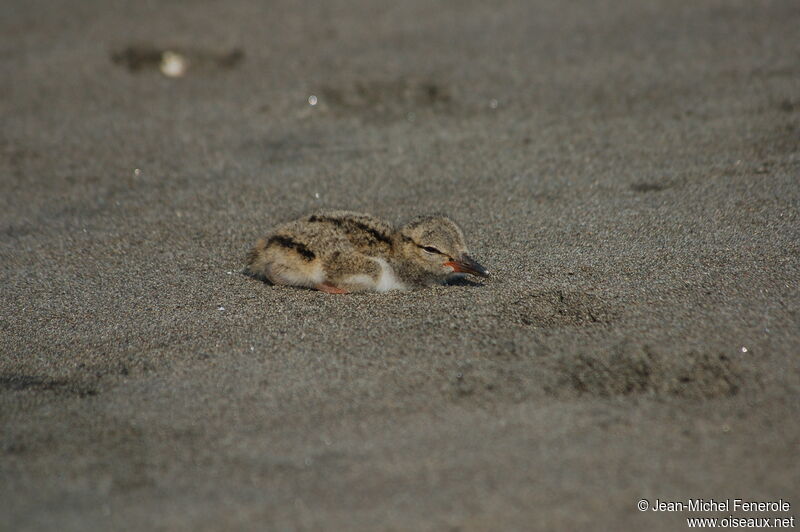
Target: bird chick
(342,251)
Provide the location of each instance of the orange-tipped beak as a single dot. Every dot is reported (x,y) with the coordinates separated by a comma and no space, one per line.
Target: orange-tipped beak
(467,264)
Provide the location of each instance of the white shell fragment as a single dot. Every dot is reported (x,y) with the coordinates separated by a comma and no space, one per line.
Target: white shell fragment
(173,64)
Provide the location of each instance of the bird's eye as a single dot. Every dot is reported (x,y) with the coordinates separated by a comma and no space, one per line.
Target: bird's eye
(430,249)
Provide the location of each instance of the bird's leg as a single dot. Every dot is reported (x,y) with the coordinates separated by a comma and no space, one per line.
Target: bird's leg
(330,289)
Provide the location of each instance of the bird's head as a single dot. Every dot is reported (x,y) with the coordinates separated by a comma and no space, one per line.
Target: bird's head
(435,246)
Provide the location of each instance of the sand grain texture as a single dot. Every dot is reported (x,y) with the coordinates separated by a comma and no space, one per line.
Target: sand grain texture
(627,170)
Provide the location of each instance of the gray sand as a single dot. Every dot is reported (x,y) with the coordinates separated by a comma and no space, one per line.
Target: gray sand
(627,170)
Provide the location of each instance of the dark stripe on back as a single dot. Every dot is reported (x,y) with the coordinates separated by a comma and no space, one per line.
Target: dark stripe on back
(339,222)
(291,243)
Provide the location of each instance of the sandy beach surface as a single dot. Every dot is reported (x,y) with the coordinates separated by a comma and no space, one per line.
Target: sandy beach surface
(628,171)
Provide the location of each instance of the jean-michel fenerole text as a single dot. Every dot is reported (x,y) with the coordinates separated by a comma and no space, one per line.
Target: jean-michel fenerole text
(720,505)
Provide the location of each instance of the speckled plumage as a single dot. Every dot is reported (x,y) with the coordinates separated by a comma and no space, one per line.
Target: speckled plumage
(343,251)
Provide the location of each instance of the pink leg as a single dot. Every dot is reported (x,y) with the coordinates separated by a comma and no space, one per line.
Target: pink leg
(330,289)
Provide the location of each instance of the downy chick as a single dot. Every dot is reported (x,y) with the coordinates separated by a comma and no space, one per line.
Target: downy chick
(341,251)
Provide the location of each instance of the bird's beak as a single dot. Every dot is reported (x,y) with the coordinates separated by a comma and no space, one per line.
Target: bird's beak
(467,264)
